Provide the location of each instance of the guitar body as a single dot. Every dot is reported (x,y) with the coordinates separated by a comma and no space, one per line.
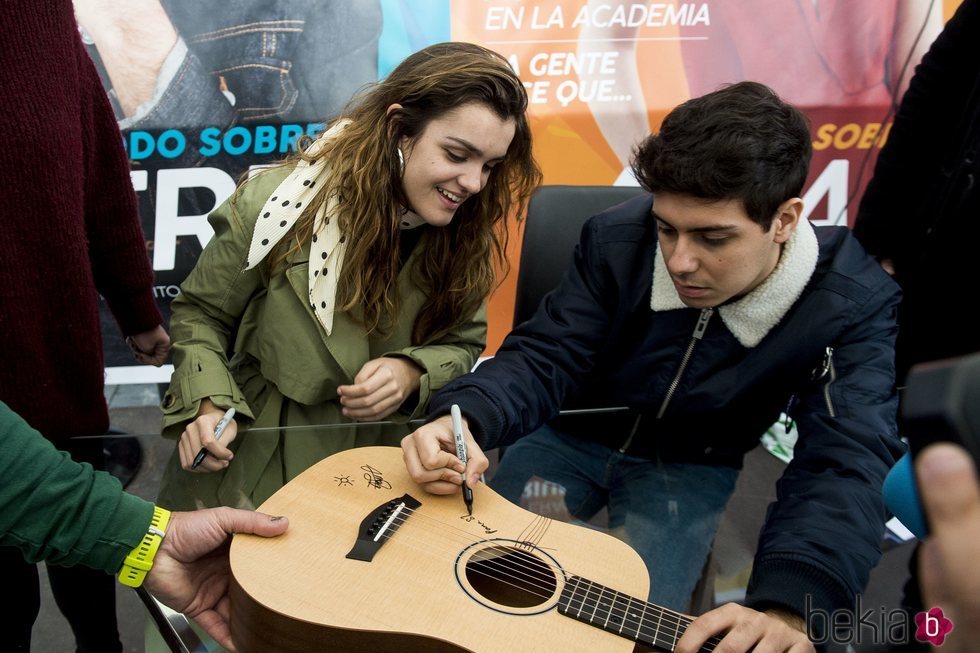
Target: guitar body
(428,578)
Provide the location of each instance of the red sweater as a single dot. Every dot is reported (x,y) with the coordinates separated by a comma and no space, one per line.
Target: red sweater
(69,225)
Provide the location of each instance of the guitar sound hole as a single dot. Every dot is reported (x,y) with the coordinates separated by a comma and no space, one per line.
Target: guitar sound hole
(511,577)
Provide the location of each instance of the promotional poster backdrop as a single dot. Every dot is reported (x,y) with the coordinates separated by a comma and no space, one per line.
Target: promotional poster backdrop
(207,91)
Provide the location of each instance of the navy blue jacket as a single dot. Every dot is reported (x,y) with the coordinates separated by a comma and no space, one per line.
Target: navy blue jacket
(595,341)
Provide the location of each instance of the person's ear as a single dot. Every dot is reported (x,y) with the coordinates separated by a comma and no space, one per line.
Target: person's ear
(787,217)
(392,115)
(393,128)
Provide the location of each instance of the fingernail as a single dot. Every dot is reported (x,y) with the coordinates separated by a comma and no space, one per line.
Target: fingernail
(942,459)
(277,518)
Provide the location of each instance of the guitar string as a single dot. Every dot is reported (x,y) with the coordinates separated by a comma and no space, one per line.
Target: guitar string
(467,538)
(670,624)
(535,531)
(639,626)
(675,620)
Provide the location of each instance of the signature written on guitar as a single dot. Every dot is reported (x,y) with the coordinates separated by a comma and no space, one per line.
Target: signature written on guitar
(374,478)
(470,518)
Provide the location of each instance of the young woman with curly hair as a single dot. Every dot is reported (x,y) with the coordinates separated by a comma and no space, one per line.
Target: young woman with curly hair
(349,283)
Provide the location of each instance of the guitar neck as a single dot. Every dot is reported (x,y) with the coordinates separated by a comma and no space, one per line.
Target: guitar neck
(612,611)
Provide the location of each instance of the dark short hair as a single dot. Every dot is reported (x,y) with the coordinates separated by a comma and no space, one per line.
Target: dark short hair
(740,142)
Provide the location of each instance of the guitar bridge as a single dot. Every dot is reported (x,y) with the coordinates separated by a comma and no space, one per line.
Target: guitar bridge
(380,524)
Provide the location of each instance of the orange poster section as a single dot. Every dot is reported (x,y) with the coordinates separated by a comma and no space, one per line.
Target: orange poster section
(601,73)
(575,59)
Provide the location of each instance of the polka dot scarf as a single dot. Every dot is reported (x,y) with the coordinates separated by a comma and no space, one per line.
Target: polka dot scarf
(327,249)
(281,211)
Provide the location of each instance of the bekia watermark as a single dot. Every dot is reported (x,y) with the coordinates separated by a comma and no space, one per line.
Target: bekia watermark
(870,626)
(932,627)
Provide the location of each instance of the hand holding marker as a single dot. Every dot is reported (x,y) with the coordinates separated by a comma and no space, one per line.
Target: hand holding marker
(218,430)
(457,418)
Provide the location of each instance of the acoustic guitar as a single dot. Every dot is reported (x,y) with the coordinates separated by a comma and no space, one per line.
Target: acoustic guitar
(372,563)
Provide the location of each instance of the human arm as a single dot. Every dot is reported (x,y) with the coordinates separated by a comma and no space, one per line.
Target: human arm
(400,383)
(54,509)
(430,457)
(66,513)
(190,571)
(254,62)
(823,535)
(151,347)
(947,482)
(118,258)
(133,39)
(541,361)
(624,122)
(380,388)
(159,83)
(209,312)
(744,629)
(202,434)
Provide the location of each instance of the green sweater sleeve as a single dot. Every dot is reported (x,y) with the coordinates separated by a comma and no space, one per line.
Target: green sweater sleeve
(60,511)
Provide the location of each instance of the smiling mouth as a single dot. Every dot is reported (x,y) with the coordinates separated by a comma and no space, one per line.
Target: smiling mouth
(452,197)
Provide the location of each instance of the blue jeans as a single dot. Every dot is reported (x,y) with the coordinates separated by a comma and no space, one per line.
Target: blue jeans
(667,512)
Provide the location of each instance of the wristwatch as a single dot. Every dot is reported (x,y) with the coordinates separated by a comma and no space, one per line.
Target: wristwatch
(140,559)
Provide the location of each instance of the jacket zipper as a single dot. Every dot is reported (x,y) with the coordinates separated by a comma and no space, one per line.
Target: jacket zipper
(788,413)
(829,367)
(698,334)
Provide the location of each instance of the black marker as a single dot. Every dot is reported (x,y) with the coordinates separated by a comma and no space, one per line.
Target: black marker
(461,454)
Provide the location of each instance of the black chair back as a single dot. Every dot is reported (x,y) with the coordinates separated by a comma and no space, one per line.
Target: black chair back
(555,216)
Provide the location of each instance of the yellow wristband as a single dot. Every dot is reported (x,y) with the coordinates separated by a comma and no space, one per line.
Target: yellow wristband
(140,559)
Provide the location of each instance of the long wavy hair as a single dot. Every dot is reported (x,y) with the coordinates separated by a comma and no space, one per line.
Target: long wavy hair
(458,263)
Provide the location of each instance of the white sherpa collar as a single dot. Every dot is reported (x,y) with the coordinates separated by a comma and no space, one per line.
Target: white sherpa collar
(753,316)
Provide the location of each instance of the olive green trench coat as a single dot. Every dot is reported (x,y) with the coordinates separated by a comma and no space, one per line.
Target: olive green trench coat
(250,341)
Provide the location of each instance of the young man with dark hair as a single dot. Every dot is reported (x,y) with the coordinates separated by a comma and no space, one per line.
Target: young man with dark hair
(708,309)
